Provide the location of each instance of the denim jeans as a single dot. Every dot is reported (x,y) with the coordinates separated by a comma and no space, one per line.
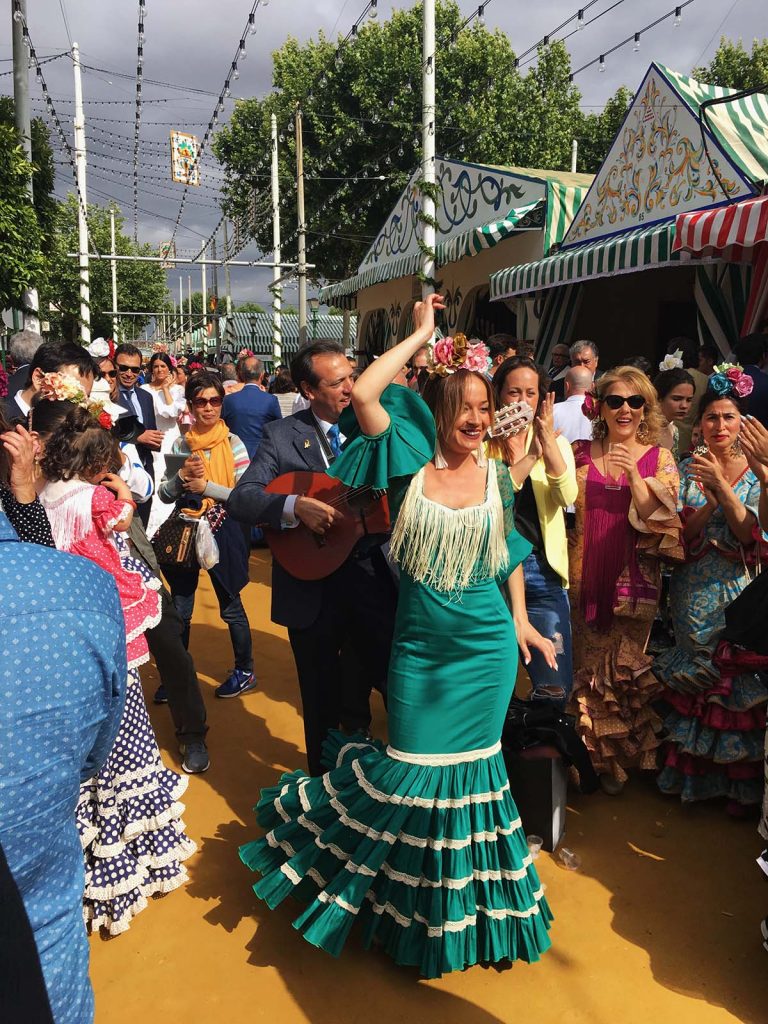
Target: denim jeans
(549,612)
(183,584)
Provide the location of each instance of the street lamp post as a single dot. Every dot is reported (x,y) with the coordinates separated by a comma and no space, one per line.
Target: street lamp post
(314,303)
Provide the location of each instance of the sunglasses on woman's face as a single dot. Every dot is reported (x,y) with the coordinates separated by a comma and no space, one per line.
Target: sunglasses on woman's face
(616,401)
(200,403)
(109,373)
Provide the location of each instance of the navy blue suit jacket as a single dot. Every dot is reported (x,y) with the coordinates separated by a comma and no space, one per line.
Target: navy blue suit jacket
(288,445)
(147,407)
(247,411)
(758,400)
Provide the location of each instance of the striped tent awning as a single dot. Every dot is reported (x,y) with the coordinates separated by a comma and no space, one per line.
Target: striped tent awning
(403,266)
(640,249)
(471,242)
(729,232)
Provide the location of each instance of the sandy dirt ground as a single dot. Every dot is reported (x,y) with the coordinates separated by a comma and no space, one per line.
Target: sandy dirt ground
(660,924)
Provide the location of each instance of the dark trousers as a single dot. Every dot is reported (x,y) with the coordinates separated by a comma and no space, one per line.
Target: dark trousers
(357,614)
(177,672)
(23,995)
(183,584)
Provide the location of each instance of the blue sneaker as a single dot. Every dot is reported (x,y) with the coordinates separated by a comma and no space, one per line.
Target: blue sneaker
(237,682)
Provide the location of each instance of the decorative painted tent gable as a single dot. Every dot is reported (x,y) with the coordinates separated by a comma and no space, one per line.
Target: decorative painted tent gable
(658,166)
(470,196)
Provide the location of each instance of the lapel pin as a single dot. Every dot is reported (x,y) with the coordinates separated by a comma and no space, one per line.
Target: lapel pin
(307,443)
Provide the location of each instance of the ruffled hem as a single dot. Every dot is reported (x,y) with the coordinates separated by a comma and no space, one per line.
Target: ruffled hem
(431,859)
(614,714)
(708,782)
(97,917)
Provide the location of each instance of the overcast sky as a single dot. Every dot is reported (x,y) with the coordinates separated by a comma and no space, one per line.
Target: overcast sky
(192,43)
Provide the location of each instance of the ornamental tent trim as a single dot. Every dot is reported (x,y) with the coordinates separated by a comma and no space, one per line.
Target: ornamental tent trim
(479,206)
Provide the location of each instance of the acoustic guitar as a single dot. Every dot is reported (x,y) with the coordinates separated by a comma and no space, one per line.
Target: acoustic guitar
(313,556)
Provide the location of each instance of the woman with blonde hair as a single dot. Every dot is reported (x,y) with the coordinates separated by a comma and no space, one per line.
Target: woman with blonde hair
(626,519)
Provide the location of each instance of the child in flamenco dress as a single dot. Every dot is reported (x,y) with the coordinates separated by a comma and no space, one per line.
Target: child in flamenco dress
(129,815)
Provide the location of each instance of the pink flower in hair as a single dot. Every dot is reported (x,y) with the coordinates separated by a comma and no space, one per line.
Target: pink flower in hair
(590,406)
(734,373)
(477,358)
(443,351)
(743,385)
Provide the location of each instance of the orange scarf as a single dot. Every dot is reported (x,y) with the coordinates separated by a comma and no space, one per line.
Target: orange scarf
(218,461)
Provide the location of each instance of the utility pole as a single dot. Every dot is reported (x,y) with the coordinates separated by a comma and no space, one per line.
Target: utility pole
(302,238)
(277,348)
(29,298)
(216,332)
(189,305)
(181,308)
(82,224)
(114,274)
(428,173)
(574,154)
(227,281)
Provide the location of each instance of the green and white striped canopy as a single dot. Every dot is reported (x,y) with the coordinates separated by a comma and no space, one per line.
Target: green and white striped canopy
(641,249)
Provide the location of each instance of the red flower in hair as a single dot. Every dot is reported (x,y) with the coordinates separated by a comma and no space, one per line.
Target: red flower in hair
(3,383)
(590,406)
(105,420)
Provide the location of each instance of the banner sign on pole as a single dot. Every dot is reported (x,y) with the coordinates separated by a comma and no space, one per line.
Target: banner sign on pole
(168,255)
(183,156)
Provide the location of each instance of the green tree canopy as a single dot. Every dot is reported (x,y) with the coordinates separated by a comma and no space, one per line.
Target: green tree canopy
(22,264)
(140,286)
(248,307)
(361,107)
(733,67)
(43,173)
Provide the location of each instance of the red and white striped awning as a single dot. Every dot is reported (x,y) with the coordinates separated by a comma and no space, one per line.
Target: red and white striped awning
(729,232)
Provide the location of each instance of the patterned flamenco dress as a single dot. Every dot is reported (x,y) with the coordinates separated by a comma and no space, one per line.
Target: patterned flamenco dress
(716,720)
(615,581)
(129,815)
(422,841)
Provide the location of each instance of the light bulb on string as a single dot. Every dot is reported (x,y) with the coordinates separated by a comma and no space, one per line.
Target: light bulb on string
(374,11)
(227,89)
(580,20)
(241,53)
(17,15)
(481,15)
(235,72)
(636,46)
(601,65)
(678,16)
(252,23)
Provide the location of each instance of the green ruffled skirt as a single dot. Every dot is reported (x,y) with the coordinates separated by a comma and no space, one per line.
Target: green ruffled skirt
(441,880)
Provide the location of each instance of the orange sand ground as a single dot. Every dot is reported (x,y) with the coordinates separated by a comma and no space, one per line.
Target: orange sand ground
(660,925)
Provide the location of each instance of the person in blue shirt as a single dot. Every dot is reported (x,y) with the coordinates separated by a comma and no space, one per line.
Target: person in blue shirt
(750,351)
(246,411)
(62,688)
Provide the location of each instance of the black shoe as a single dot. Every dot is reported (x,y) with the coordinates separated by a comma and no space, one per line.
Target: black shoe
(196,759)
(161,697)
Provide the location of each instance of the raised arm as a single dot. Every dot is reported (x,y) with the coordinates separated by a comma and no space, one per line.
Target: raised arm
(371,415)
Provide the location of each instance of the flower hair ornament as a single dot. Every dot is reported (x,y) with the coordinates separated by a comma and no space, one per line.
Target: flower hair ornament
(62,387)
(3,383)
(729,379)
(451,354)
(673,361)
(590,407)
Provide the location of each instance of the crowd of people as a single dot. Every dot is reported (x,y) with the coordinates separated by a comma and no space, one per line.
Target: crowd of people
(626,503)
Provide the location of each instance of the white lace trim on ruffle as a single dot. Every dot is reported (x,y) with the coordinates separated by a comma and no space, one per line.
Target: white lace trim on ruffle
(426,802)
(357,745)
(470,921)
(123,922)
(443,760)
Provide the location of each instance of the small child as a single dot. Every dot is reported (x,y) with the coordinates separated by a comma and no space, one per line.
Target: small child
(128,815)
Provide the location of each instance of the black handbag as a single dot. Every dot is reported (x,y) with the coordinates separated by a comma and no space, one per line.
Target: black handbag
(174,543)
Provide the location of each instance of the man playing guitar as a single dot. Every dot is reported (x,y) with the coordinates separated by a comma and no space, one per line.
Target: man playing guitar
(339,626)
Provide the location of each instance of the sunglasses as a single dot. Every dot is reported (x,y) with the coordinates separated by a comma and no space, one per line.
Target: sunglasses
(109,373)
(200,403)
(128,369)
(616,401)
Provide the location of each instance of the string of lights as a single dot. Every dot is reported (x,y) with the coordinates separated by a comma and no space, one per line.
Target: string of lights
(43,60)
(18,16)
(675,12)
(137,129)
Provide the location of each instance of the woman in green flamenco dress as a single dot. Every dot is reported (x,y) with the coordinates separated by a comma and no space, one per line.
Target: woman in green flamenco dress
(422,841)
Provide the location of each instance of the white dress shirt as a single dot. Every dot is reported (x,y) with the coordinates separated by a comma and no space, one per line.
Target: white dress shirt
(289,518)
(571,421)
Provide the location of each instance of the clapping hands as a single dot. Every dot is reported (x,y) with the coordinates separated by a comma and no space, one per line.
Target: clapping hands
(754,441)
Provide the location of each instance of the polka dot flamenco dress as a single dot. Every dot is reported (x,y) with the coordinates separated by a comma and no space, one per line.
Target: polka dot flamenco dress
(129,814)
(421,843)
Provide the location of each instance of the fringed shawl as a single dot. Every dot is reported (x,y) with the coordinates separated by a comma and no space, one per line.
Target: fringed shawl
(68,505)
(450,549)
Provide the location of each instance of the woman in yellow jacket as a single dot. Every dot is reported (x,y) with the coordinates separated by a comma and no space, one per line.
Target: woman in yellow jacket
(543,474)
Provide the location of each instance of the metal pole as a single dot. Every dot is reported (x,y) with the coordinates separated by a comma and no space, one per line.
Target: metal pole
(277,349)
(29,298)
(574,154)
(82,225)
(216,333)
(227,281)
(302,238)
(428,144)
(181,308)
(114,273)
(189,304)
(205,293)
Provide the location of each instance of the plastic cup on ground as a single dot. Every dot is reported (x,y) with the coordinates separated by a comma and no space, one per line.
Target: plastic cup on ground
(568,859)
(535,844)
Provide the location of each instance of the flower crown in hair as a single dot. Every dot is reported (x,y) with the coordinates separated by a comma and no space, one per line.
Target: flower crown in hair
(3,383)
(590,407)
(451,354)
(673,361)
(730,379)
(62,387)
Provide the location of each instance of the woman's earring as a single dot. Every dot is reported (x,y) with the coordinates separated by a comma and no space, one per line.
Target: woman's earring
(736,450)
(642,433)
(599,429)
